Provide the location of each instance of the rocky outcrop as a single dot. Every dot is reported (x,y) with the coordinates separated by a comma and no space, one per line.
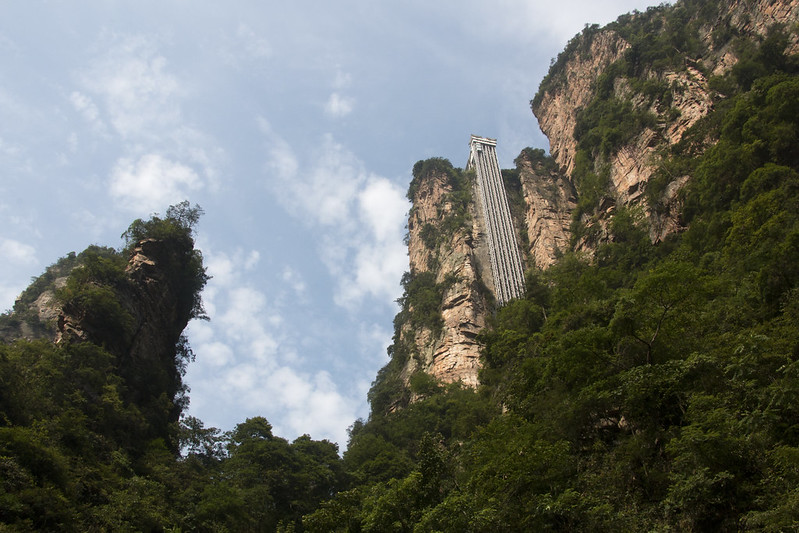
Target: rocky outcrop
(573,89)
(755,17)
(549,199)
(148,298)
(571,85)
(136,312)
(451,353)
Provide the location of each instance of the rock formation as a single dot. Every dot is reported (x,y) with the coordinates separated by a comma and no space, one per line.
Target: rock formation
(672,95)
(136,311)
(572,84)
(549,200)
(449,353)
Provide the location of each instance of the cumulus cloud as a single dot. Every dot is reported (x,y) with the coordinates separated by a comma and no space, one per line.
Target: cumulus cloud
(17,252)
(313,404)
(139,94)
(246,358)
(128,94)
(361,215)
(151,181)
(339,106)
(381,258)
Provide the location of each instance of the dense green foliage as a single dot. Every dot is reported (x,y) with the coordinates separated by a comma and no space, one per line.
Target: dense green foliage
(649,388)
(176,229)
(646,388)
(76,456)
(90,440)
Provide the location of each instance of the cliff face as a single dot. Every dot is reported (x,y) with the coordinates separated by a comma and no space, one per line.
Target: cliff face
(620,107)
(549,200)
(572,85)
(448,352)
(135,310)
(557,111)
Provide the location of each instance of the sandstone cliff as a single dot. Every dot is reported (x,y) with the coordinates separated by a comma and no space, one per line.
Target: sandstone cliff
(549,199)
(596,55)
(447,351)
(134,304)
(620,106)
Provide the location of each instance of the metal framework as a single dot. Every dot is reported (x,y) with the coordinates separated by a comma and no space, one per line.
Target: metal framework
(506,263)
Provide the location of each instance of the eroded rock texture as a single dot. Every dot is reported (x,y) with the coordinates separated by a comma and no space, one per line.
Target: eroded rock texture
(549,200)
(451,354)
(632,165)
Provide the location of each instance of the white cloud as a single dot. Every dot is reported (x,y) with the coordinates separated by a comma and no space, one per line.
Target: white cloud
(293,279)
(217,354)
(128,94)
(313,404)
(140,96)
(86,107)
(151,182)
(380,260)
(378,268)
(323,194)
(281,158)
(253,44)
(381,205)
(247,363)
(339,106)
(17,252)
(361,217)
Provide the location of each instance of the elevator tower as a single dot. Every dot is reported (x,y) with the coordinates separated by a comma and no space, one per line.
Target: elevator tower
(503,250)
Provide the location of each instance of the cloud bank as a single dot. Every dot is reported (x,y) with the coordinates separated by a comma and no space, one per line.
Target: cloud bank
(362,216)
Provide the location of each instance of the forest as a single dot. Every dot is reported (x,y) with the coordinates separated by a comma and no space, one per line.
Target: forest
(646,387)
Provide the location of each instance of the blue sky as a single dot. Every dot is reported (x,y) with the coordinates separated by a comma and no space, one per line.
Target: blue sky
(295,126)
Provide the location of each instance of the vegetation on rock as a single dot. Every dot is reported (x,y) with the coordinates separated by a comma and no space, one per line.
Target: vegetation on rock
(645,388)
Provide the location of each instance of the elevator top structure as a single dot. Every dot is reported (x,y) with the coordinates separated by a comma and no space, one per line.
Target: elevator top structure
(506,264)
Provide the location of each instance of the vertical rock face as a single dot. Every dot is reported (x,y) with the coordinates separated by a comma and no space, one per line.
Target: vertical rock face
(756,17)
(557,110)
(449,353)
(549,199)
(572,84)
(670,94)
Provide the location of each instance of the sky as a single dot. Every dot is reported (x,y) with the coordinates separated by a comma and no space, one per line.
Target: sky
(295,126)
